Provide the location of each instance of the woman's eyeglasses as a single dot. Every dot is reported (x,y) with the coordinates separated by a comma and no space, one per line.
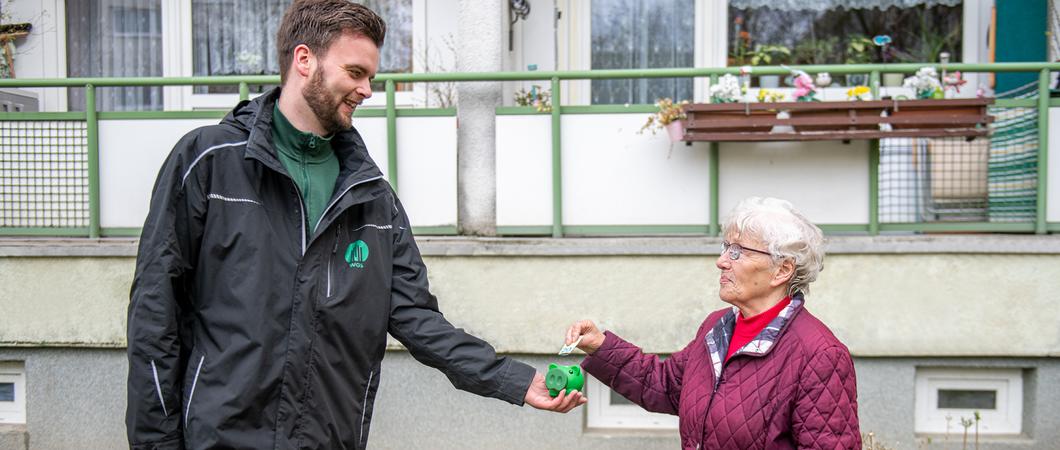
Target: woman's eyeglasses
(735,250)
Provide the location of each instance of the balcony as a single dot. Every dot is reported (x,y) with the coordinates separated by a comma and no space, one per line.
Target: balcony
(572,171)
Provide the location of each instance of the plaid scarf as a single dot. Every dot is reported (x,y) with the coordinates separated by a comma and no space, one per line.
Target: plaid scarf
(718,338)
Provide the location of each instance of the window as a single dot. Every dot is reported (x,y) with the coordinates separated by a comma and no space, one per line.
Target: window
(115,38)
(607,409)
(234,37)
(12,392)
(628,34)
(946,396)
(238,37)
(832,32)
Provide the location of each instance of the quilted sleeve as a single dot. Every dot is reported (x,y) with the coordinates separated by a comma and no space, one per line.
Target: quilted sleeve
(644,379)
(826,406)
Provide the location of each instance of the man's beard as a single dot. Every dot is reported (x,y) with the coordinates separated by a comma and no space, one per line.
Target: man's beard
(326,109)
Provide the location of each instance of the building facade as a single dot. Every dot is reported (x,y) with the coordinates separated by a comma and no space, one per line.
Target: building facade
(940,276)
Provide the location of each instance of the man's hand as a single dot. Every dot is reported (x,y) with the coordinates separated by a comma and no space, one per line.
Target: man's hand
(537,396)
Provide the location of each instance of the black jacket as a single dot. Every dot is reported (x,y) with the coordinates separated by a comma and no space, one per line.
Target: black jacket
(245,333)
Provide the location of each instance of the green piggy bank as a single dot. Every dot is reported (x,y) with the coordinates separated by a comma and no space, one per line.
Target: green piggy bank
(559,378)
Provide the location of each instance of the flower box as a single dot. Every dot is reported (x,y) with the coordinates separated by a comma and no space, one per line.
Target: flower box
(818,121)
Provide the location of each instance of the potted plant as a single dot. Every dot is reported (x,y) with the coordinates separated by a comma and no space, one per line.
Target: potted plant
(669,116)
(925,83)
(726,90)
(858,51)
(740,53)
(8,34)
(767,55)
(814,51)
(888,54)
(540,99)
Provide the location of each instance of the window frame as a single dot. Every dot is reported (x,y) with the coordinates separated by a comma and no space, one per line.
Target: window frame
(1006,419)
(711,37)
(178,60)
(14,412)
(601,414)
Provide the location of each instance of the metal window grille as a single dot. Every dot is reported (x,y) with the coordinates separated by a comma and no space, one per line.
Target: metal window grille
(987,179)
(43,174)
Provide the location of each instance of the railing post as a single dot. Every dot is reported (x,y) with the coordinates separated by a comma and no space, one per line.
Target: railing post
(874,187)
(874,84)
(1043,150)
(244,91)
(557,163)
(92,130)
(391,135)
(715,151)
(715,227)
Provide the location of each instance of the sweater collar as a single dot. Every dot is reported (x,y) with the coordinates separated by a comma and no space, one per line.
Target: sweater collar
(298,144)
(719,337)
(760,320)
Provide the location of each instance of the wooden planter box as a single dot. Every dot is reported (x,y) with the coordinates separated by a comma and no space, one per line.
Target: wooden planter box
(818,121)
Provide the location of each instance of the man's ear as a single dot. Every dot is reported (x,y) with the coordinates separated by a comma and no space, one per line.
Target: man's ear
(303,60)
(785,272)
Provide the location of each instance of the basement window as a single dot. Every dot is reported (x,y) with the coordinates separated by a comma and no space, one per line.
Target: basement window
(947,397)
(608,409)
(12,392)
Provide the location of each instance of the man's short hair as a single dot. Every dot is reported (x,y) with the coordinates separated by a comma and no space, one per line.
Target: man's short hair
(317,23)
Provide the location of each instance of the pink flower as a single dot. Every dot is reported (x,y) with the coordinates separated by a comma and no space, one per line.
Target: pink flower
(803,85)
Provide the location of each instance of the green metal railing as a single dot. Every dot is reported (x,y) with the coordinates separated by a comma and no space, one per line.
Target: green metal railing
(391,112)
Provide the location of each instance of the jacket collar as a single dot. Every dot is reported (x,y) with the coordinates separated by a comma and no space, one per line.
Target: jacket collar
(255,117)
(719,336)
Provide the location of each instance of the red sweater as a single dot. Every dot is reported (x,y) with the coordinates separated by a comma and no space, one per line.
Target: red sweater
(747,328)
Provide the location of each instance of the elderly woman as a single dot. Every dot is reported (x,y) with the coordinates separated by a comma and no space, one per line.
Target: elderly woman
(763,374)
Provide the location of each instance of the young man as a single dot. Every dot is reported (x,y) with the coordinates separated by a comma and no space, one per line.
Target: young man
(274,261)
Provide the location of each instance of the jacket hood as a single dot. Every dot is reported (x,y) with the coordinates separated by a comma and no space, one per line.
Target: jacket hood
(254,117)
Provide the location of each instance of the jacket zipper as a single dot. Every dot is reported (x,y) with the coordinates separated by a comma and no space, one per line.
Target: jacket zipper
(334,253)
(714,392)
(344,191)
(725,363)
(301,209)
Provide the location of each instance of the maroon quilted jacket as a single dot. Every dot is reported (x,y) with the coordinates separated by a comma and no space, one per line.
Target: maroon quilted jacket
(792,386)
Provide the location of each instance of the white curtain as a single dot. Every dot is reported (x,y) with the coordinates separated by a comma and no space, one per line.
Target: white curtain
(238,37)
(640,34)
(823,5)
(115,38)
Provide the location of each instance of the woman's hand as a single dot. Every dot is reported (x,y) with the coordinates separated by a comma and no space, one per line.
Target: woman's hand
(592,337)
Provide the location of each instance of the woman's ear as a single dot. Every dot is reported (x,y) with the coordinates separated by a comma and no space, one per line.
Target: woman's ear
(785,272)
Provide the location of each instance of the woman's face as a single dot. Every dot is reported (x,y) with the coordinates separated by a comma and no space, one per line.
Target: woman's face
(749,277)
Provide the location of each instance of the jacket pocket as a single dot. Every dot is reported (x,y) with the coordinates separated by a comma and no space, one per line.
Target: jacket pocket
(158,388)
(191,391)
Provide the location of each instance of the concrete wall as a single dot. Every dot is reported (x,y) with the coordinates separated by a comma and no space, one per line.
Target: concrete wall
(520,295)
(77,399)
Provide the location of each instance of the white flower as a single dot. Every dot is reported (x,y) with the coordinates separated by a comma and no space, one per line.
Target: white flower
(727,89)
(926,79)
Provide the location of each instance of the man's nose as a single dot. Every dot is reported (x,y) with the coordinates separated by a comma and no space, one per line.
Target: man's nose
(365,89)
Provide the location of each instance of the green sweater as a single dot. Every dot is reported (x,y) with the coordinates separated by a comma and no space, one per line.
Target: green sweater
(310,161)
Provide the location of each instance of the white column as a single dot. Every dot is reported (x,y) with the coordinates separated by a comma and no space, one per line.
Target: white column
(480,47)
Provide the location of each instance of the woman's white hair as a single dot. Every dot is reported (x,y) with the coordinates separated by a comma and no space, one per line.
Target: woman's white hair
(786,232)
